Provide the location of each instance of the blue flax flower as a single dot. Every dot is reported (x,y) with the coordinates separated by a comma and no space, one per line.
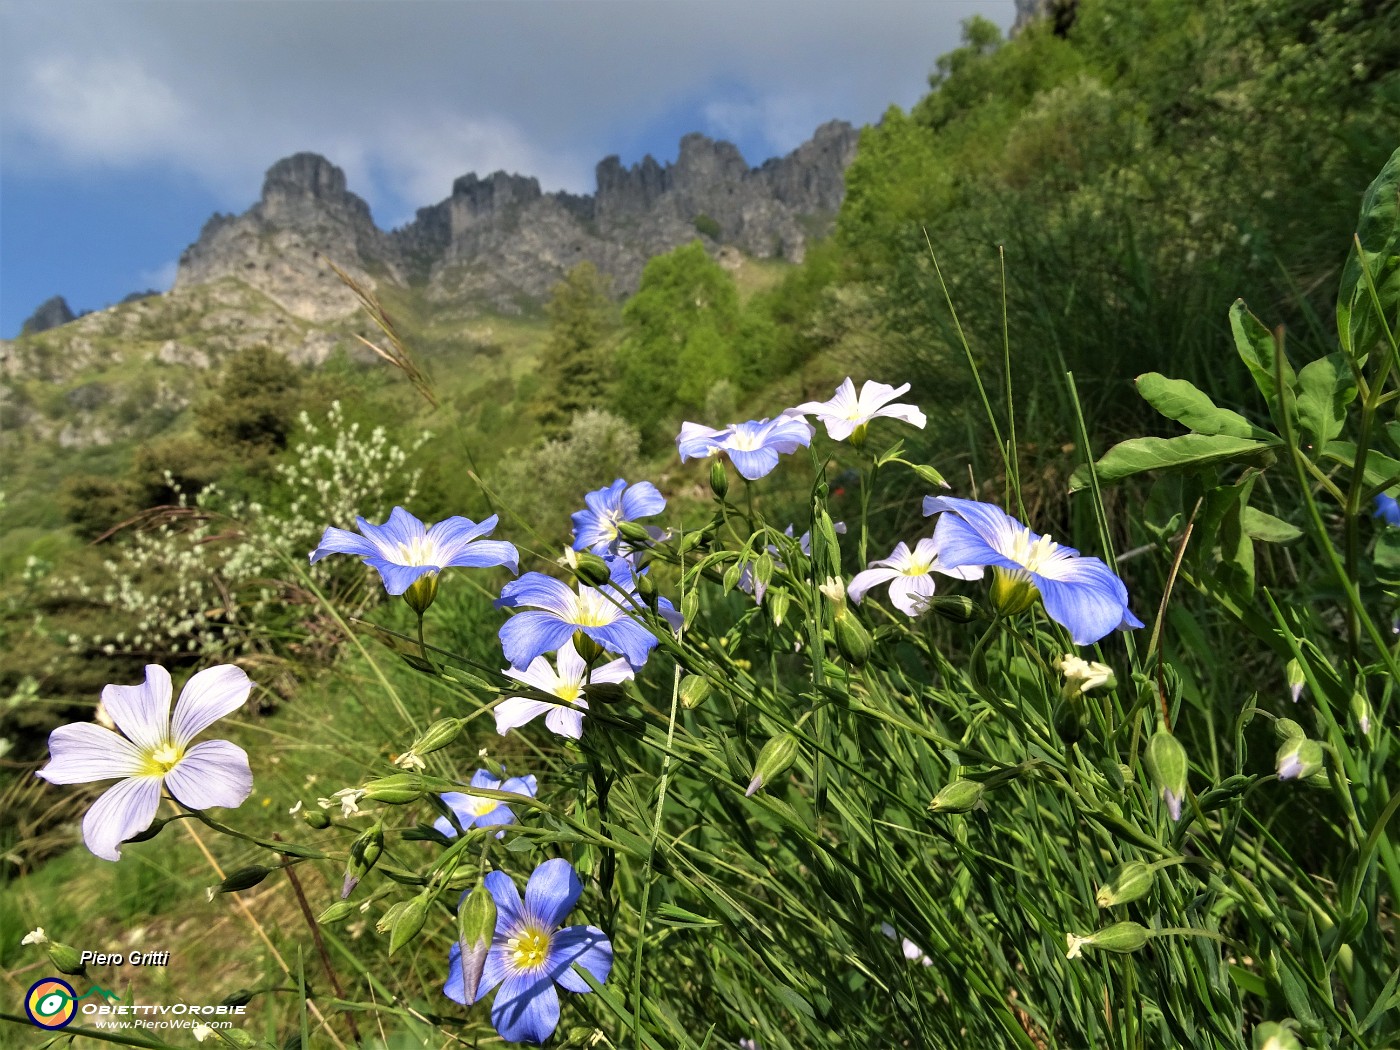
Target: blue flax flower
(530,954)
(752,447)
(595,529)
(555,613)
(478,810)
(1080,593)
(1388,509)
(403,548)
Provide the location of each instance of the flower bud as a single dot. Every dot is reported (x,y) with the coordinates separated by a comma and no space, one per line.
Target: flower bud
(316,818)
(66,959)
(244,878)
(1070,720)
(930,475)
(409,921)
(1121,937)
(1296,680)
(364,854)
(635,534)
(1361,711)
(337,912)
(958,797)
(955,607)
(826,549)
(1272,1035)
(1298,758)
(852,639)
(398,789)
(390,916)
(691,540)
(421,592)
(1285,729)
(694,689)
(775,758)
(586,647)
(1132,882)
(646,588)
(1166,761)
(591,569)
(719,478)
(476,925)
(242,997)
(777,602)
(437,736)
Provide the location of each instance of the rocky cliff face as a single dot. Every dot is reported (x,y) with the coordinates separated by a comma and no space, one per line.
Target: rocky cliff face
(499,241)
(51,313)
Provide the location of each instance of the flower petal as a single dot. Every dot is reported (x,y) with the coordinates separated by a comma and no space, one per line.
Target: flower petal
(526,1009)
(586,946)
(564,722)
(612,671)
(624,636)
(84,752)
(861,582)
(207,697)
(962,546)
(142,711)
(212,773)
(341,541)
(515,711)
(553,890)
(1085,597)
(539,591)
(753,464)
(905,413)
(507,898)
(399,578)
(532,633)
(910,594)
(455,988)
(122,811)
(642,500)
(697,442)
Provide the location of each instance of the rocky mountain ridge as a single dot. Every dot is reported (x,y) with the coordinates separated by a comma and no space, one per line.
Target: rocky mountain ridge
(499,242)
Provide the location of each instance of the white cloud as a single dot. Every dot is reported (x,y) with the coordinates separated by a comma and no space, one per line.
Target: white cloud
(110,111)
(160,278)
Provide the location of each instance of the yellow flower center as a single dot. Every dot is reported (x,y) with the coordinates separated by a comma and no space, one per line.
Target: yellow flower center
(1031,554)
(162,758)
(528,948)
(478,806)
(746,440)
(917,566)
(568,691)
(591,609)
(420,551)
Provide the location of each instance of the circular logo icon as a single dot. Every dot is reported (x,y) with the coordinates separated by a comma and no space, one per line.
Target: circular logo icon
(51,1003)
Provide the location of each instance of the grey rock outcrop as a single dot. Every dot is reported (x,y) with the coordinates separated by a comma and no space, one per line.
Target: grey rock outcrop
(51,313)
(499,242)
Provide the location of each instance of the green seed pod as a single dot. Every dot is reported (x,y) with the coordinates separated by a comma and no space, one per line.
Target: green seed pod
(826,548)
(1133,881)
(437,736)
(337,912)
(690,607)
(421,592)
(244,878)
(409,922)
(691,540)
(1167,762)
(390,916)
(1121,937)
(66,959)
(591,570)
(930,475)
(646,588)
(694,689)
(1298,758)
(775,758)
(955,607)
(719,478)
(1286,729)
(316,818)
(958,797)
(398,789)
(242,997)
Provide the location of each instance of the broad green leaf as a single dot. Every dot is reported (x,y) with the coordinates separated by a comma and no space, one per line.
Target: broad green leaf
(1325,388)
(1257,350)
(1179,400)
(1378,247)
(1380,470)
(1268,529)
(1137,455)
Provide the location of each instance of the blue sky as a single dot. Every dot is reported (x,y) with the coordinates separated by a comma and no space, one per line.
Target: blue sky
(124,124)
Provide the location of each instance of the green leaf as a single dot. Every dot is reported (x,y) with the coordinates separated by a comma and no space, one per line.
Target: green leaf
(1380,470)
(1268,529)
(1179,400)
(1325,388)
(1137,455)
(1257,349)
(1378,249)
